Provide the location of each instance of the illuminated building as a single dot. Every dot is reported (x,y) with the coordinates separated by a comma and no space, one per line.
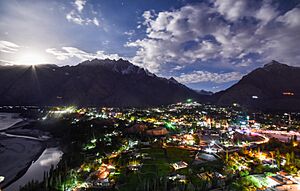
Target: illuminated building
(157,131)
(179,165)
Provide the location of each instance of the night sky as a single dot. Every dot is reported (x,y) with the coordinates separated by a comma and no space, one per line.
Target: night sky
(203,44)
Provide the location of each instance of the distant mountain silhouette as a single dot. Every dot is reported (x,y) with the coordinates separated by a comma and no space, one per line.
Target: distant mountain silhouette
(119,83)
(275,86)
(204,92)
(90,83)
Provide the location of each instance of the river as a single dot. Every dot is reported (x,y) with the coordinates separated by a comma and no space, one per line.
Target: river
(50,156)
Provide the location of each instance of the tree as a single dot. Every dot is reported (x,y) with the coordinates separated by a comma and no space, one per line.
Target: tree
(288,158)
(190,187)
(244,173)
(292,158)
(226,156)
(278,158)
(197,139)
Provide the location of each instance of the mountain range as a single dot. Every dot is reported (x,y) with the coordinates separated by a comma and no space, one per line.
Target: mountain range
(90,83)
(274,86)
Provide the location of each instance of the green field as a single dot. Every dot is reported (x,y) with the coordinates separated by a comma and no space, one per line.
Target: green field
(157,167)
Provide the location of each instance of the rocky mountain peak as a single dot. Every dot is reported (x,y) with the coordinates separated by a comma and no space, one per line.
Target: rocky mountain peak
(275,64)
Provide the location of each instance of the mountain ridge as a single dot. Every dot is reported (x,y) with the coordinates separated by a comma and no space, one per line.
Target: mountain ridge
(275,86)
(119,83)
(90,83)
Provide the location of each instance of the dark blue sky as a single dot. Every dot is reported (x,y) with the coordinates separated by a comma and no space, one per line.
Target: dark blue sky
(203,44)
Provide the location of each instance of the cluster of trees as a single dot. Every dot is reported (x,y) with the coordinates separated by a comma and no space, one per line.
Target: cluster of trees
(55,179)
(164,184)
(246,183)
(72,137)
(291,165)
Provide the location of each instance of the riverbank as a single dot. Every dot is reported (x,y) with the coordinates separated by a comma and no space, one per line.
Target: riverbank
(49,157)
(20,147)
(9,120)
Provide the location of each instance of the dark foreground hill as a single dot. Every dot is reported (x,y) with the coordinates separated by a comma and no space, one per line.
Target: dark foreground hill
(91,83)
(275,86)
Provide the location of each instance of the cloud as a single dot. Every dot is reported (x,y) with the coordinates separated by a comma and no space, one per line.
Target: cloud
(96,22)
(80,5)
(8,47)
(178,68)
(177,36)
(227,32)
(129,33)
(266,13)
(76,16)
(72,52)
(205,76)
(231,9)
(291,18)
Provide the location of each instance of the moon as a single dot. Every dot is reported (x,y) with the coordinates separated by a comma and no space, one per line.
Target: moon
(30,57)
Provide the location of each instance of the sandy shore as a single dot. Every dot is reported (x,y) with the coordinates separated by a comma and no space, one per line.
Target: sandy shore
(8,120)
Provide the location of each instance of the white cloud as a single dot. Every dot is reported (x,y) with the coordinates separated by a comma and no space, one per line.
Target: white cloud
(178,68)
(166,34)
(8,47)
(169,34)
(96,22)
(205,76)
(72,52)
(231,9)
(266,13)
(76,16)
(147,16)
(129,33)
(80,5)
(59,55)
(206,31)
(291,18)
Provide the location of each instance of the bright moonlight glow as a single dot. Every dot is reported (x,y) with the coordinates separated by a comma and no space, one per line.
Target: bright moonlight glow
(30,58)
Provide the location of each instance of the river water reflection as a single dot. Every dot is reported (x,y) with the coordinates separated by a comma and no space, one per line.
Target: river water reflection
(50,156)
